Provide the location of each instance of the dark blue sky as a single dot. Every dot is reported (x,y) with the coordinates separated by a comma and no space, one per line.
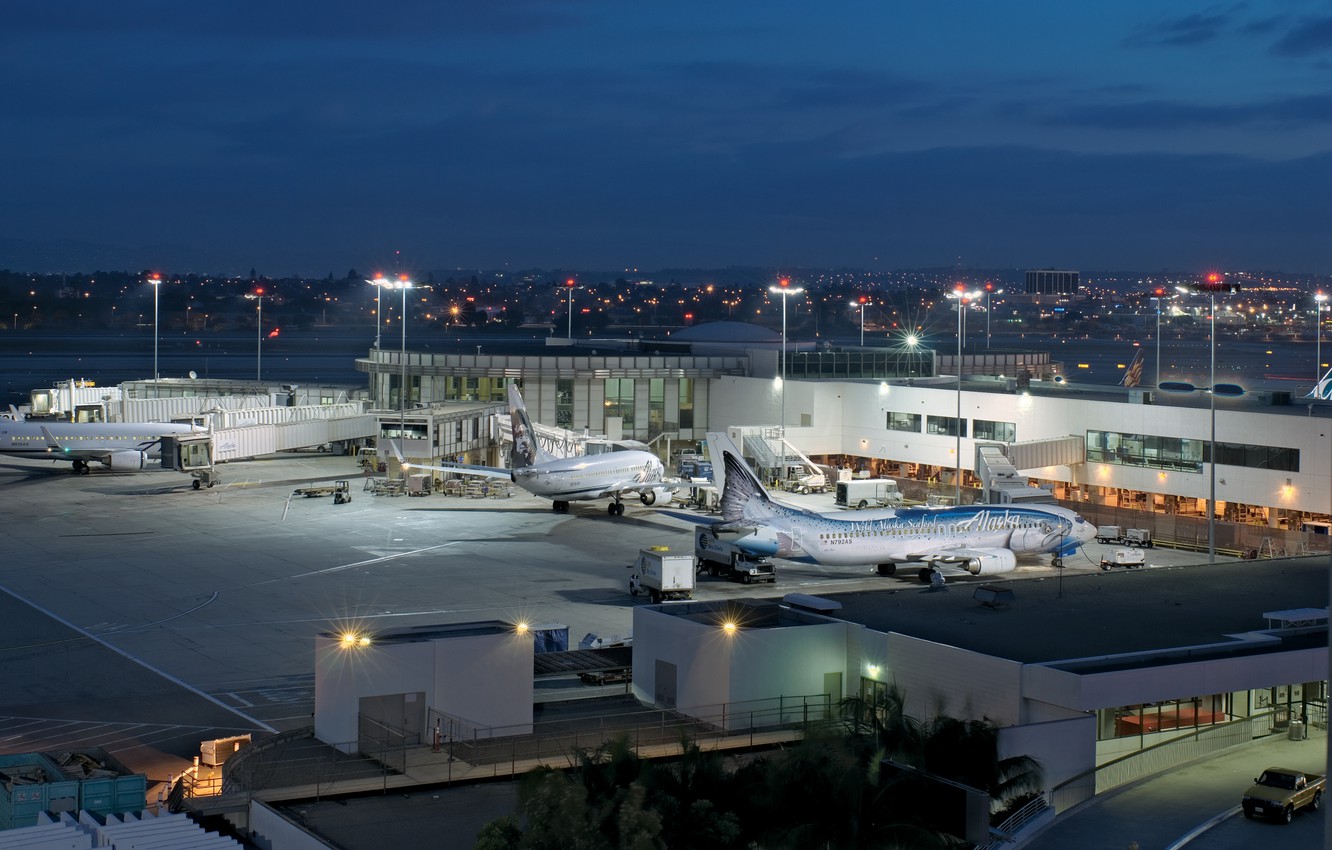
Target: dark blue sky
(309,137)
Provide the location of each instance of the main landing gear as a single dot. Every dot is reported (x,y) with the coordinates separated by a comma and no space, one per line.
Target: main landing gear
(81,467)
(615,508)
(560,507)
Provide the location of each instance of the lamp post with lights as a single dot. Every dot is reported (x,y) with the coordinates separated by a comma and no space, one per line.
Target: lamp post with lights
(989,290)
(1214,284)
(1319,298)
(861,302)
(258,296)
(784,288)
(403,283)
(156,281)
(962,296)
(569,284)
(1158,298)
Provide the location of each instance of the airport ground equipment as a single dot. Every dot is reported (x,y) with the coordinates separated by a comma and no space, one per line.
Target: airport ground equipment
(663,575)
(868,492)
(1132,559)
(339,490)
(418,484)
(1139,538)
(723,558)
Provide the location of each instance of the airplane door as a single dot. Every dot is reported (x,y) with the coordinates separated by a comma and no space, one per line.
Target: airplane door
(796,538)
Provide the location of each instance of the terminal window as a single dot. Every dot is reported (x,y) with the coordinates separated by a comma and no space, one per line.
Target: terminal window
(946,425)
(1002,432)
(904,422)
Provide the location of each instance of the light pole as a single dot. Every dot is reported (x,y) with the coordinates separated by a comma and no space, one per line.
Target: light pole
(570,285)
(156,281)
(258,297)
(403,283)
(786,290)
(1319,298)
(1160,294)
(962,296)
(1212,286)
(861,302)
(989,290)
(378,282)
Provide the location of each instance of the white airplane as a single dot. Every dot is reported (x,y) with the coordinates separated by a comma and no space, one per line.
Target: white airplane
(120,446)
(981,539)
(573,479)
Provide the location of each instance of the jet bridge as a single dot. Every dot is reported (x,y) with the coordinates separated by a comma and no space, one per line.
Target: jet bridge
(1001,481)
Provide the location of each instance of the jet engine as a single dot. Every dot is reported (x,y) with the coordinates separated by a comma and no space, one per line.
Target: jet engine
(992,561)
(656,496)
(127,461)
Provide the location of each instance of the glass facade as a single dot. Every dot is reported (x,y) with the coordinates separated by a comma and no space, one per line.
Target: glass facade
(564,389)
(656,406)
(1000,432)
(620,401)
(1183,455)
(686,403)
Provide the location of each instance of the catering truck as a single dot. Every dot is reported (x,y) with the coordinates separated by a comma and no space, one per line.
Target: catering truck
(663,574)
(723,558)
(868,492)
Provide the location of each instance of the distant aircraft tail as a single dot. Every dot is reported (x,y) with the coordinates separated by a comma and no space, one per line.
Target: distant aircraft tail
(1133,374)
(526,452)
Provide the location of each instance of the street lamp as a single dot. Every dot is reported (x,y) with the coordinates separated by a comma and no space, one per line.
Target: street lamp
(156,281)
(1158,297)
(258,296)
(962,296)
(403,283)
(1212,286)
(570,285)
(1319,298)
(786,290)
(378,282)
(989,290)
(861,302)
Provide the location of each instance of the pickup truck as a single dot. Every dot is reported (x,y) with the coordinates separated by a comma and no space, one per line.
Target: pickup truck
(1280,791)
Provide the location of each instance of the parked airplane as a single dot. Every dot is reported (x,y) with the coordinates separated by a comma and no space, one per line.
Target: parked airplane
(573,479)
(121,446)
(982,539)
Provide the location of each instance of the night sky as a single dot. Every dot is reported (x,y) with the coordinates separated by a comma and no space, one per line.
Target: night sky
(314,137)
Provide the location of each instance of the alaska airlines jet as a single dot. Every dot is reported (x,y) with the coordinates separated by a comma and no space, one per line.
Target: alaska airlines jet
(982,539)
(573,479)
(121,446)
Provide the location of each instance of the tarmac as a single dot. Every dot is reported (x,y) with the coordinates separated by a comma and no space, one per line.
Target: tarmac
(146,617)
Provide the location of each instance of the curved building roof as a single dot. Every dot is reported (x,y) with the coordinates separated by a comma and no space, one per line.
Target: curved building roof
(732,332)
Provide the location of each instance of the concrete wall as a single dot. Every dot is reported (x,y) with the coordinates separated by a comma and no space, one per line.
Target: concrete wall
(701,655)
(1063,748)
(485,679)
(937,679)
(271,830)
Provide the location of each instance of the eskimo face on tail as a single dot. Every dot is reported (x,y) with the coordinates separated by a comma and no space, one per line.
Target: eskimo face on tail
(743,497)
(524,436)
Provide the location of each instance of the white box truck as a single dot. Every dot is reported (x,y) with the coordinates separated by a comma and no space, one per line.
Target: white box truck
(869,492)
(663,574)
(723,558)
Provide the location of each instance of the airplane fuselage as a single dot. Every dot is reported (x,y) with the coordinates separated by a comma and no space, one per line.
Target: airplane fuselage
(914,534)
(583,478)
(80,442)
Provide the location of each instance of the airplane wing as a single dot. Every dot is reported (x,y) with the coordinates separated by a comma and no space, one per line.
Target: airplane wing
(458,468)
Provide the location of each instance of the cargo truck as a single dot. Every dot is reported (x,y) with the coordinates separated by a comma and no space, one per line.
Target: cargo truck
(868,492)
(722,558)
(663,574)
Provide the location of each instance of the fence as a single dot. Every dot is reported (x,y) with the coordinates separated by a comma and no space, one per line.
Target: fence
(1155,759)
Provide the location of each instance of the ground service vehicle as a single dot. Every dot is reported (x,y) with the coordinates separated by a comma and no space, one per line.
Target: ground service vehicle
(1137,537)
(1280,791)
(1133,559)
(868,492)
(721,558)
(663,575)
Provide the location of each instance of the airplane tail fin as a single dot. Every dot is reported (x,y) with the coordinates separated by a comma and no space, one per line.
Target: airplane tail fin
(526,452)
(1133,374)
(743,497)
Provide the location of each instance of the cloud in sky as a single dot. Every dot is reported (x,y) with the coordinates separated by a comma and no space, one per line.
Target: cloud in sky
(313,137)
